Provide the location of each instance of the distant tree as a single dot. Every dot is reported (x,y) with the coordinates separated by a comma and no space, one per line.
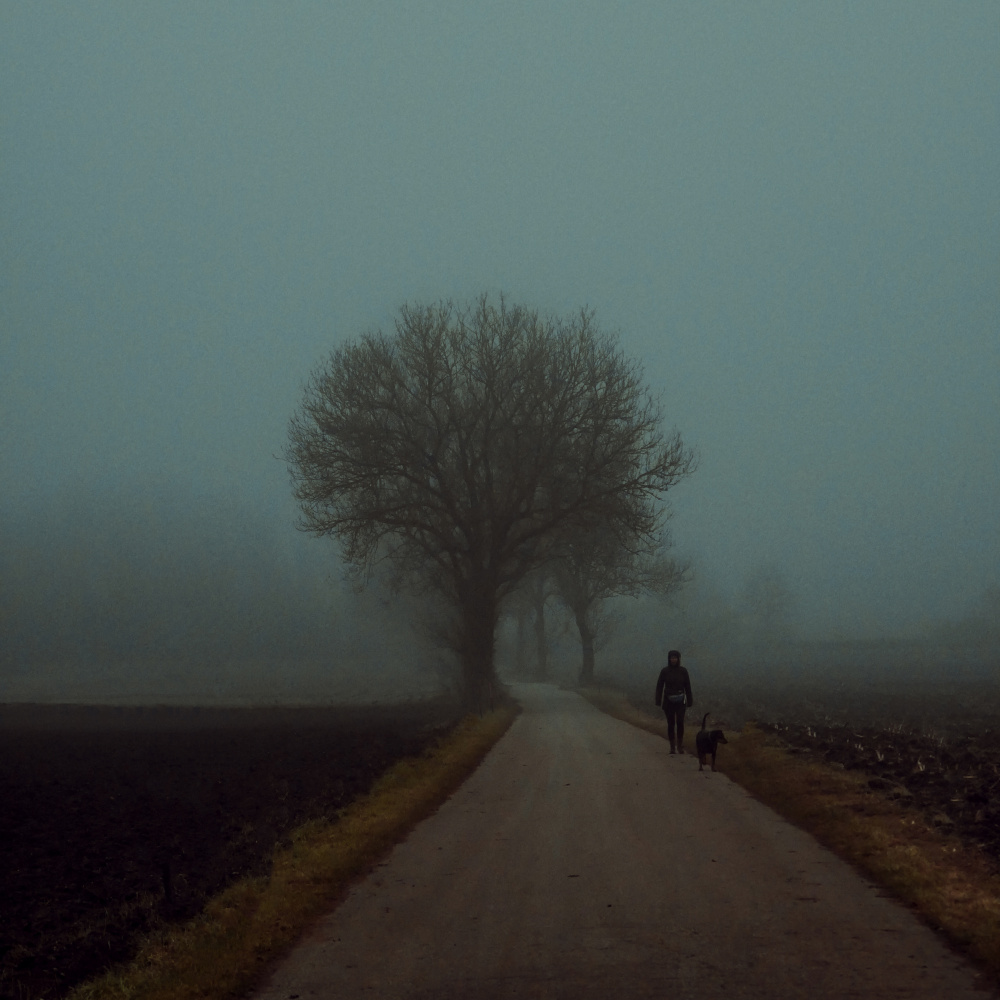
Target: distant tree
(596,565)
(518,610)
(767,603)
(980,628)
(526,605)
(461,447)
(986,624)
(540,588)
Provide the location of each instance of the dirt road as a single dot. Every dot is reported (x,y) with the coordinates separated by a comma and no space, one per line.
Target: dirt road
(581,860)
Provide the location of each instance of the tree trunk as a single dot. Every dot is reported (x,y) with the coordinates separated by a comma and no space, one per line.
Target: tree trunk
(541,643)
(521,645)
(587,642)
(479,619)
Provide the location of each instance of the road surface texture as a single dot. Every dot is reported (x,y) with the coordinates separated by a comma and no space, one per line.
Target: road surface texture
(582,860)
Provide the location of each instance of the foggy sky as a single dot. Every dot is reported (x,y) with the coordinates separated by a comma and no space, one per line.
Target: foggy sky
(789,211)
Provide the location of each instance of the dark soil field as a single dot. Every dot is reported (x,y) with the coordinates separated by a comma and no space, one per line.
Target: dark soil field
(116,820)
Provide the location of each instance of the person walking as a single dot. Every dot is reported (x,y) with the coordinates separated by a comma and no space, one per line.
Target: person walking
(673,692)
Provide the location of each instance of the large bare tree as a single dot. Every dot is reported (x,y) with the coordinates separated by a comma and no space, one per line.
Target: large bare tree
(463,445)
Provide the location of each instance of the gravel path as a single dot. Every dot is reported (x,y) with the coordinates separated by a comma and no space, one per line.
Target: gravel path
(581,860)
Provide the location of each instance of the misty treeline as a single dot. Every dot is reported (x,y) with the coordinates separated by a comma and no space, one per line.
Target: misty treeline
(981,626)
(478,445)
(188,595)
(667,605)
(745,632)
(584,578)
(748,639)
(158,591)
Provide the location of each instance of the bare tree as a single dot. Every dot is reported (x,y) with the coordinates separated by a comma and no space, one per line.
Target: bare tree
(597,565)
(520,615)
(540,590)
(463,445)
(529,600)
(767,603)
(985,626)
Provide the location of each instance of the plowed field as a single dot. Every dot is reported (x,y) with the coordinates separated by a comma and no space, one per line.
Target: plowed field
(115,820)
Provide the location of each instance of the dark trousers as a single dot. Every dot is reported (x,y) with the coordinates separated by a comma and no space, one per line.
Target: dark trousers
(675,717)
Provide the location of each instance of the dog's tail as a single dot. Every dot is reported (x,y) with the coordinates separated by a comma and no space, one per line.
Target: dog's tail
(703,721)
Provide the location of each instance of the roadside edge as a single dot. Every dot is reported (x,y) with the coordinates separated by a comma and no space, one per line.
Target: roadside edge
(244,932)
(953,887)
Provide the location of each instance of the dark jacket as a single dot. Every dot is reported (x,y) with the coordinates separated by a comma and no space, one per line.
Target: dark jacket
(673,680)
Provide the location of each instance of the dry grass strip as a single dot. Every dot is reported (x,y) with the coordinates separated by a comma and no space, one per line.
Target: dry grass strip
(239,936)
(954,887)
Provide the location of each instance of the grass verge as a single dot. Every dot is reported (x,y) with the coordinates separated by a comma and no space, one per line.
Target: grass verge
(952,885)
(230,946)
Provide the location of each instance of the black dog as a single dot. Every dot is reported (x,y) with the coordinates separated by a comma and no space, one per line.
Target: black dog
(708,743)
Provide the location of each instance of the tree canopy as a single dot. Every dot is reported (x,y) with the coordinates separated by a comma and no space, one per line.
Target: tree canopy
(464,447)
